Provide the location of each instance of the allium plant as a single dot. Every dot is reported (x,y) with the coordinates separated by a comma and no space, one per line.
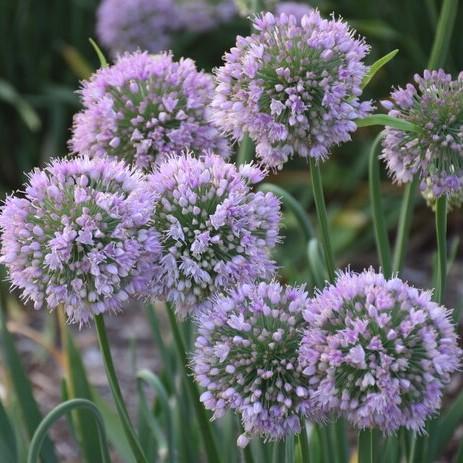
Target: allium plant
(80,237)
(246,359)
(145,107)
(378,352)
(203,15)
(435,154)
(130,25)
(293,86)
(214,230)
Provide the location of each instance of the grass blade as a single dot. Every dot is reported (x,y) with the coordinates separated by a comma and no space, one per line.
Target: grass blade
(377,65)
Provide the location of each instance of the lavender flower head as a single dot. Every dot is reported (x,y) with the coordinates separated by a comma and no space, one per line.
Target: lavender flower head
(215,232)
(145,107)
(293,85)
(297,9)
(435,153)
(246,358)
(80,237)
(378,351)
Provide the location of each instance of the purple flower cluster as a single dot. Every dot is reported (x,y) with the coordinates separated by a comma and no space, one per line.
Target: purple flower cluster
(145,107)
(377,351)
(130,25)
(80,237)
(214,231)
(435,153)
(150,25)
(246,358)
(293,86)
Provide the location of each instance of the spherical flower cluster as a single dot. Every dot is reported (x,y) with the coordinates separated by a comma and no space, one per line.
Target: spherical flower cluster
(145,107)
(125,26)
(293,85)
(297,9)
(435,153)
(80,237)
(378,351)
(215,232)
(151,25)
(246,357)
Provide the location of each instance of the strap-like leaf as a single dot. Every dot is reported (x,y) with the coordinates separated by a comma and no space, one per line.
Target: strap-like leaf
(376,66)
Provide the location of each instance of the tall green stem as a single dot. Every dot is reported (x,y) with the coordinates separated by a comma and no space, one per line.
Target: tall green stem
(246,150)
(441,235)
(437,59)
(365,446)
(204,425)
(116,390)
(320,206)
(304,445)
(405,220)
(382,240)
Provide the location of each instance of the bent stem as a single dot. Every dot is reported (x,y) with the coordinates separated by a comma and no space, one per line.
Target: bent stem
(320,206)
(116,390)
(204,424)
(441,235)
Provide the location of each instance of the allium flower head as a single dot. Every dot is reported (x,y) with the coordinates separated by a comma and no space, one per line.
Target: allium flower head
(80,237)
(378,351)
(204,15)
(145,107)
(293,85)
(435,153)
(215,232)
(246,357)
(130,25)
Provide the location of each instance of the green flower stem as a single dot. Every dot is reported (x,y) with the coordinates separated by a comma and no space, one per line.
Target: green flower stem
(116,390)
(204,424)
(320,206)
(405,220)
(63,408)
(411,456)
(245,153)
(441,235)
(304,445)
(290,202)
(365,446)
(382,240)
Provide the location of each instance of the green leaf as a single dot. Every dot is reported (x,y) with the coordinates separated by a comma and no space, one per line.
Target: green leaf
(99,53)
(79,387)
(27,113)
(444,428)
(389,121)
(8,450)
(114,429)
(377,65)
(66,407)
(165,445)
(365,446)
(23,389)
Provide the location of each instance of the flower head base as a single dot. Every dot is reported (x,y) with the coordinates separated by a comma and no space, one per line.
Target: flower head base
(215,232)
(435,153)
(130,25)
(80,237)
(293,85)
(145,107)
(378,351)
(246,359)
